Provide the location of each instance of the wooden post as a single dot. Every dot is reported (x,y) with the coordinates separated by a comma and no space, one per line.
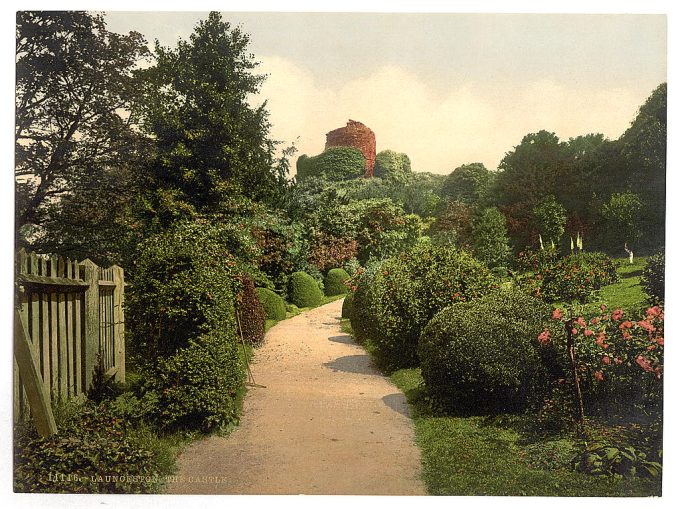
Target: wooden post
(119,321)
(91,324)
(39,400)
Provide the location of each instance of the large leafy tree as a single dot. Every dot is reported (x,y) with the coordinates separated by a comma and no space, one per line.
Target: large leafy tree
(75,89)
(469,183)
(213,146)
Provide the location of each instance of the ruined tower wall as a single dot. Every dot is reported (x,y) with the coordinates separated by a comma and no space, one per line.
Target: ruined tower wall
(355,135)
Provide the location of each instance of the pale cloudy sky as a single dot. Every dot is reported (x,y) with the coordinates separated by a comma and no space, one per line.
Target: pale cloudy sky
(446,89)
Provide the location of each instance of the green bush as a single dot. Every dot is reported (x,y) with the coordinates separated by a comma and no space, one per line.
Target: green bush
(575,277)
(408,290)
(653,278)
(251,313)
(347,306)
(274,306)
(198,386)
(335,282)
(489,237)
(483,355)
(365,302)
(182,323)
(92,441)
(303,290)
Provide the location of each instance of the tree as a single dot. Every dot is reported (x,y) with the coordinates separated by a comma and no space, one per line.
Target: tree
(213,146)
(490,238)
(75,92)
(469,183)
(621,216)
(391,165)
(550,218)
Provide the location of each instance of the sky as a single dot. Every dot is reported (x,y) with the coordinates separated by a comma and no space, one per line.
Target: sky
(446,89)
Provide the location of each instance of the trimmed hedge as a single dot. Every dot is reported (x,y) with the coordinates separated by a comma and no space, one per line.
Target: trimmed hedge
(303,290)
(653,278)
(407,291)
(274,306)
(483,355)
(335,282)
(347,306)
(251,312)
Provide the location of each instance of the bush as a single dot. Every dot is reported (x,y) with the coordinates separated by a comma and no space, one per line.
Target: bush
(181,311)
(407,291)
(303,290)
(274,306)
(575,277)
(347,306)
(653,278)
(365,302)
(335,164)
(198,386)
(536,261)
(483,355)
(489,237)
(251,312)
(329,251)
(335,282)
(92,441)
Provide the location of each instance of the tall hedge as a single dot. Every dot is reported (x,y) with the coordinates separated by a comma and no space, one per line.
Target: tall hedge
(653,278)
(251,313)
(303,290)
(483,355)
(408,290)
(180,314)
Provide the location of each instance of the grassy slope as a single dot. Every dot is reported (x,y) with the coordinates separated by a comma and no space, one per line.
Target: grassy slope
(498,456)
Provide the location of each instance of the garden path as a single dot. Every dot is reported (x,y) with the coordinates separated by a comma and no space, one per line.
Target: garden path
(327,422)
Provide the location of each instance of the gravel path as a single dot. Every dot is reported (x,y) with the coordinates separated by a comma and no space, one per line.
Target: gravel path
(327,423)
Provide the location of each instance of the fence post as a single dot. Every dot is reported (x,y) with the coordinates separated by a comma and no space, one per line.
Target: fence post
(91,325)
(38,398)
(119,321)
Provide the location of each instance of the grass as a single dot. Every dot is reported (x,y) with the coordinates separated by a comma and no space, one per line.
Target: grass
(499,455)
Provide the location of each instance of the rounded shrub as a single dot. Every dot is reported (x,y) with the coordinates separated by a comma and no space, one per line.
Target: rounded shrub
(303,290)
(251,315)
(408,290)
(347,306)
(653,278)
(274,306)
(365,303)
(575,277)
(335,282)
(483,355)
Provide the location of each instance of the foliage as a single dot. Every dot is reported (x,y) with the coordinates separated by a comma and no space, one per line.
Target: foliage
(328,251)
(536,261)
(180,292)
(197,386)
(274,306)
(653,277)
(335,164)
(575,277)
(250,312)
(620,359)
(365,301)
(489,237)
(621,220)
(74,78)
(335,282)
(482,355)
(407,291)
(550,218)
(607,459)
(212,145)
(99,451)
(453,225)
(347,306)
(303,290)
(392,166)
(469,184)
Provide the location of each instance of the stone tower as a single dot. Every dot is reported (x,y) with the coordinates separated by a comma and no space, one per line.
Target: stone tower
(358,136)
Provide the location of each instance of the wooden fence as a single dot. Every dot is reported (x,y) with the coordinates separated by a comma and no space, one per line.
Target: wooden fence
(70,317)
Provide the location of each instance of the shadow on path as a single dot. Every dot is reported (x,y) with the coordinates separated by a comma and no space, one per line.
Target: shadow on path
(345,339)
(360,364)
(397,402)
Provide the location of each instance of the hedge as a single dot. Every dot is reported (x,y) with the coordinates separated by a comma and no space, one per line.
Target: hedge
(303,290)
(335,282)
(251,313)
(274,306)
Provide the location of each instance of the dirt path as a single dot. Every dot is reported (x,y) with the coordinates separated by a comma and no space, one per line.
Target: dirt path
(327,422)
